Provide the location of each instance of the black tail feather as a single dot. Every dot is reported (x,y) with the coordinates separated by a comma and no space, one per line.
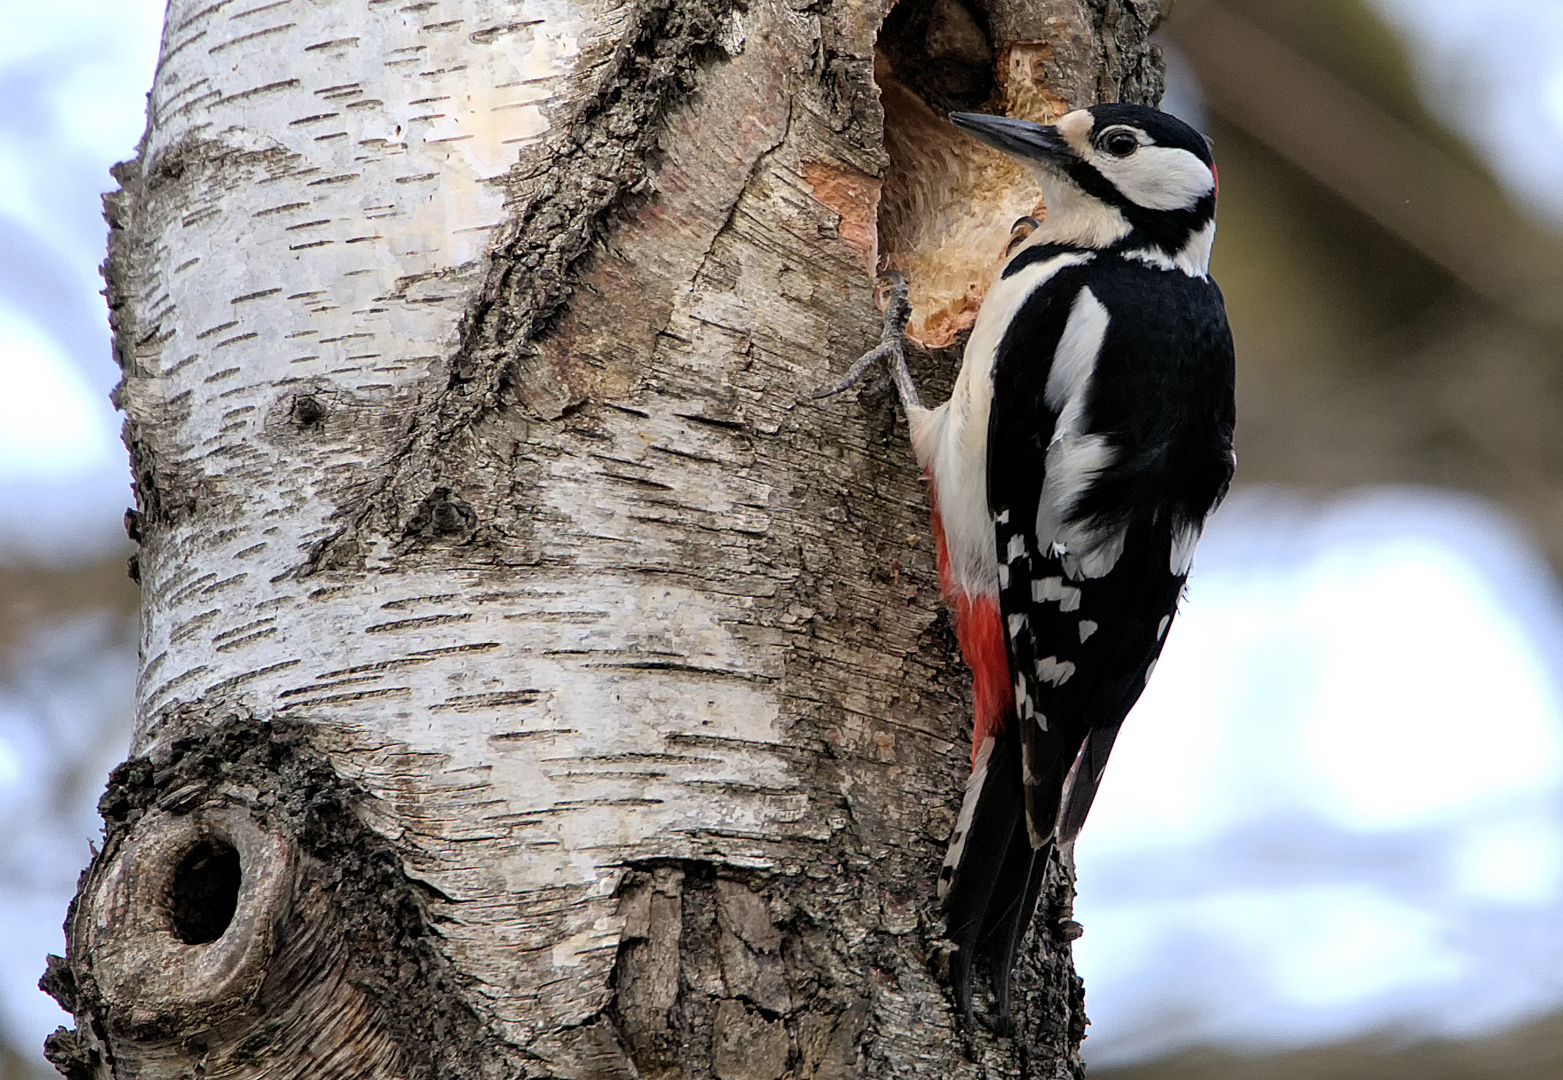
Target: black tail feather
(969,901)
(1010,924)
(995,940)
(994,893)
(1086,778)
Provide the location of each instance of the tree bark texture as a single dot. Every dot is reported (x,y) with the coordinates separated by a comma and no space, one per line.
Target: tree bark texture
(533,682)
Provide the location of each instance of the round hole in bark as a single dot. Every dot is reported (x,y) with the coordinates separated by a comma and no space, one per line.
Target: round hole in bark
(308,411)
(205,891)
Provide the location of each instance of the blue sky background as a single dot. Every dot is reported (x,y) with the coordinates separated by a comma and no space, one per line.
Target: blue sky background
(1338,809)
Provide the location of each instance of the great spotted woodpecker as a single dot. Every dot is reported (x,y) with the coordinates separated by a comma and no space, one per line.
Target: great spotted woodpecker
(1088,437)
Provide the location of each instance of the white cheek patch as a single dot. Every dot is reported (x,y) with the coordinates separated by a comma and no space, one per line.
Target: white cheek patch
(1073,217)
(1158,177)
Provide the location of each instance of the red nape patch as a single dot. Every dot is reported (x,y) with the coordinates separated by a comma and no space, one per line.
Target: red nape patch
(979,630)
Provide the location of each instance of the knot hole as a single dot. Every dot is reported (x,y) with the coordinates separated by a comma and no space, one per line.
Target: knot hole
(204,891)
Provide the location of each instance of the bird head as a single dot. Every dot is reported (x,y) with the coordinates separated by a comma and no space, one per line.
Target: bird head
(1115,174)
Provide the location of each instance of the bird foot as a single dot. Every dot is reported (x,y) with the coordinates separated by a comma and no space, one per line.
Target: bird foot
(891,350)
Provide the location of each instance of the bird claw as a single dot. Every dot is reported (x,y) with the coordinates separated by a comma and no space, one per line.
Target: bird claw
(1020,232)
(891,350)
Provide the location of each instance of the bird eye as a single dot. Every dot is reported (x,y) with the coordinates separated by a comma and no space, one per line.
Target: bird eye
(1120,143)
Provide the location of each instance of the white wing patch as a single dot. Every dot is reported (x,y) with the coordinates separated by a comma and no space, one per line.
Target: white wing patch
(1074,358)
(1073,463)
(1099,552)
(1075,457)
(1087,628)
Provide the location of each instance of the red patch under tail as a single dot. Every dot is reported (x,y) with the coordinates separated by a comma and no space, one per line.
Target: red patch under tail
(979,630)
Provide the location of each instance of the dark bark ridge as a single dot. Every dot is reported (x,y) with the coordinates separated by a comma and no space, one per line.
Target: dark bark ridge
(159,498)
(749,977)
(565,197)
(569,192)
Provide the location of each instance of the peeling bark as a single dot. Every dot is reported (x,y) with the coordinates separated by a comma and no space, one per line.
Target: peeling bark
(531,685)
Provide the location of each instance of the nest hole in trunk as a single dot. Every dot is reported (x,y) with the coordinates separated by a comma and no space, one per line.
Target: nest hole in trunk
(948,202)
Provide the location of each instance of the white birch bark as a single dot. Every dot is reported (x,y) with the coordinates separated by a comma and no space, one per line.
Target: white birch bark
(577,701)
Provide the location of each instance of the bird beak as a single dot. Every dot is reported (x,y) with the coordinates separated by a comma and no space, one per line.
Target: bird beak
(1020,138)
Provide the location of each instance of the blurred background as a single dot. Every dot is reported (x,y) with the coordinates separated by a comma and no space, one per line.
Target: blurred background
(1331,840)
(74,76)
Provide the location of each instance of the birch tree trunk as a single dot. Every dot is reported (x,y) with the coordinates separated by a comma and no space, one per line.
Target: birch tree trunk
(532,685)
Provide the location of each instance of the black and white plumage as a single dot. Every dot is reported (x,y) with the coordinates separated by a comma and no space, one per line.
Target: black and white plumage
(1088,437)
